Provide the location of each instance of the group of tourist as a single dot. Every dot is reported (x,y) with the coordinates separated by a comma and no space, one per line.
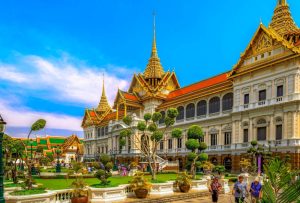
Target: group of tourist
(240,190)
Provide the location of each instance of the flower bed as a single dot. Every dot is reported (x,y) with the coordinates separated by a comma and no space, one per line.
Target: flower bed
(46,197)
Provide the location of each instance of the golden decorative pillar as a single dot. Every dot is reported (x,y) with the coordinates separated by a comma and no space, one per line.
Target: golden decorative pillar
(117,114)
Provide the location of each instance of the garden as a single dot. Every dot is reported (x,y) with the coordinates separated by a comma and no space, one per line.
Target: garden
(98,182)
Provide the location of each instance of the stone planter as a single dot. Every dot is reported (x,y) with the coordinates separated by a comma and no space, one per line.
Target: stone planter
(200,185)
(113,194)
(11,189)
(162,188)
(49,197)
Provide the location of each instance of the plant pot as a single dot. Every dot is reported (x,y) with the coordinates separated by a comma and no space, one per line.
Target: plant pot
(79,200)
(141,193)
(184,188)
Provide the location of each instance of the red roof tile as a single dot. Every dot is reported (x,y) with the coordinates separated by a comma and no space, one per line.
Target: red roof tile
(197,86)
(92,113)
(130,96)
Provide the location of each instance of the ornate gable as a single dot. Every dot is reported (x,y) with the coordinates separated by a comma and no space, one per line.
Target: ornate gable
(264,44)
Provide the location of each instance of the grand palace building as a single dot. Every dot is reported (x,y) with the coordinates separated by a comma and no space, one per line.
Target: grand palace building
(259,99)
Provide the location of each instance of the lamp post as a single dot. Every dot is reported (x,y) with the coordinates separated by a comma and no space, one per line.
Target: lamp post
(2,128)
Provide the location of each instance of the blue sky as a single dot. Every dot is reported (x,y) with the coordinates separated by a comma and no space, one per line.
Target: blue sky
(53,53)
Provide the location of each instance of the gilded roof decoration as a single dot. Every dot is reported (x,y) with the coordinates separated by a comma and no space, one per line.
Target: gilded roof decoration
(282,21)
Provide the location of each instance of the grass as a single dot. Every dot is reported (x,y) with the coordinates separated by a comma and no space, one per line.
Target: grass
(12,185)
(27,192)
(53,170)
(59,184)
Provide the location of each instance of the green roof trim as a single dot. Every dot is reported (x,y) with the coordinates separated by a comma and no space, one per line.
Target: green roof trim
(43,141)
(57,140)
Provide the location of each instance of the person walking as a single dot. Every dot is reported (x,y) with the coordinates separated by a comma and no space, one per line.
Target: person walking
(240,190)
(215,188)
(256,191)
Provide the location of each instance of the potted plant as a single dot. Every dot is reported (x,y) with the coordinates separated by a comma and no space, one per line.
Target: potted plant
(207,167)
(80,194)
(183,181)
(140,185)
(78,185)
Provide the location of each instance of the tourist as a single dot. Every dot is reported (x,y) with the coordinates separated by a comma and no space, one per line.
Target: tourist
(256,190)
(239,190)
(215,188)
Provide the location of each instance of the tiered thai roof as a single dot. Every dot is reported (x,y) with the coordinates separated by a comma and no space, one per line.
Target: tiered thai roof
(49,143)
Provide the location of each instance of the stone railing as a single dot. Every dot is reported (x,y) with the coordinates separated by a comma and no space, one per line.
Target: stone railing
(162,188)
(64,196)
(99,195)
(199,185)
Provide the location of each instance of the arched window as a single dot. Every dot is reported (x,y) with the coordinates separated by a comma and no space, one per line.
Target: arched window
(162,120)
(190,111)
(201,108)
(227,102)
(214,105)
(180,113)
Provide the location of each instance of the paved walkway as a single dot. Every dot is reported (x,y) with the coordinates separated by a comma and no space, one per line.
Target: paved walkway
(207,199)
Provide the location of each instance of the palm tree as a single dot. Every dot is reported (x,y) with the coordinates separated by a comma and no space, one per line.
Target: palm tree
(281,186)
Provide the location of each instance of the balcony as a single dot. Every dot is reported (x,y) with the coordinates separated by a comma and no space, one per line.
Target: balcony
(262,103)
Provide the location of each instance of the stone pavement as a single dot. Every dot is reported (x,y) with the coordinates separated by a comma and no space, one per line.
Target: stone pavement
(207,199)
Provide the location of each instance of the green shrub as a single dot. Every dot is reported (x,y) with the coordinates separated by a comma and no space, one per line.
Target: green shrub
(177,132)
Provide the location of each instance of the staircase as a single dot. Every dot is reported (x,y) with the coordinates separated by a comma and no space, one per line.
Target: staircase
(162,163)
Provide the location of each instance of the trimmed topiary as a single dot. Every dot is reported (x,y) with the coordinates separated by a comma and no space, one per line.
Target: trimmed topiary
(177,133)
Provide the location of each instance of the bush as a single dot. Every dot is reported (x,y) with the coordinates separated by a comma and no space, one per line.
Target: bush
(177,133)
(156,116)
(141,126)
(169,121)
(172,113)
(232,179)
(127,120)
(202,146)
(147,116)
(192,144)
(195,132)
(157,136)
(152,127)
(203,157)
(103,169)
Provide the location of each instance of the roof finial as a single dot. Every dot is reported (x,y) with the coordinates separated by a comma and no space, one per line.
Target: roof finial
(103,104)
(154,50)
(282,2)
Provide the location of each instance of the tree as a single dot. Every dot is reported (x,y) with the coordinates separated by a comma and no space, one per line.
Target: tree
(103,169)
(254,151)
(36,126)
(147,136)
(197,156)
(281,186)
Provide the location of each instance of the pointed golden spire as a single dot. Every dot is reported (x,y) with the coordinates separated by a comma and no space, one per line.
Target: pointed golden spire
(103,104)
(282,21)
(154,69)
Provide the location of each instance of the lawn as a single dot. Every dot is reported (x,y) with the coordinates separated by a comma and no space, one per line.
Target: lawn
(58,184)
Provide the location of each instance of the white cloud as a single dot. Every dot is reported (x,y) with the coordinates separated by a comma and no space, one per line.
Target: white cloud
(65,81)
(11,74)
(23,117)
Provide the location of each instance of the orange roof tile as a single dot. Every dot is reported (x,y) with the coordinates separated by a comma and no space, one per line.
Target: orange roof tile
(199,85)
(112,115)
(92,113)
(130,96)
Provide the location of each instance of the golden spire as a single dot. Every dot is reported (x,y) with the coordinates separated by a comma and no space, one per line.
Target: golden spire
(282,21)
(154,69)
(103,104)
